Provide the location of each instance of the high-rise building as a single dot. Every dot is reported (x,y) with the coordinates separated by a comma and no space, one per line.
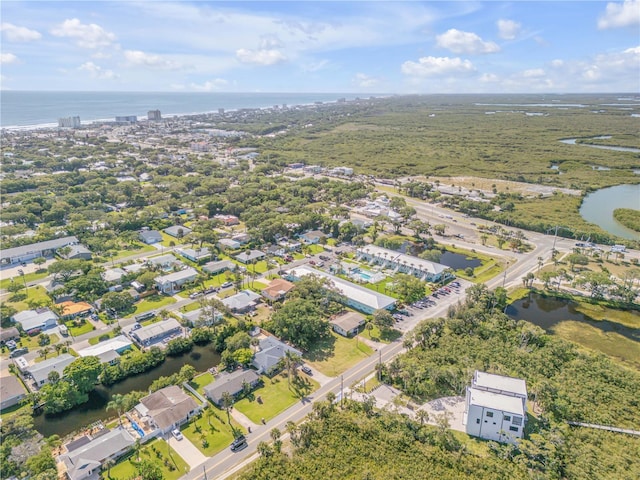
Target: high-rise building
(127,119)
(154,115)
(69,122)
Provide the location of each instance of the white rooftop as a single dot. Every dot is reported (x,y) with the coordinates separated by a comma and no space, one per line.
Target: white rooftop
(496,401)
(113,344)
(350,290)
(401,258)
(178,276)
(500,383)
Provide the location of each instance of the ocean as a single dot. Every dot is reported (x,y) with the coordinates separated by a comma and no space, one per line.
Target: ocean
(42,109)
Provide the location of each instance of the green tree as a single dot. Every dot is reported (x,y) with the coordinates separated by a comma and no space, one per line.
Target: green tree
(299,321)
(149,470)
(227,403)
(83,373)
(408,287)
(383,319)
(119,301)
(117,403)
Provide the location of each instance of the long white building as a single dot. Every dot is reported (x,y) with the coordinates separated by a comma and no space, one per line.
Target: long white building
(360,298)
(418,267)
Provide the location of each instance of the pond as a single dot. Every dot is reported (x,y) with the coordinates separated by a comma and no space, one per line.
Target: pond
(201,358)
(598,207)
(458,261)
(562,317)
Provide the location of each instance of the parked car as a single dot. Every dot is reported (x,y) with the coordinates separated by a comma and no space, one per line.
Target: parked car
(239,443)
(19,352)
(195,295)
(226,285)
(306,370)
(210,290)
(177,434)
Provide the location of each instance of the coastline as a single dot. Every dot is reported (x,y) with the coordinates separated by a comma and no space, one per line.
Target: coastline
(269,101)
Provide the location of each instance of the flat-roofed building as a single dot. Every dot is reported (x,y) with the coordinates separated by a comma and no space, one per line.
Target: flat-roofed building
(108,351)
(355,296)
(250,256)
(150,236)
(177,231)
(220,266)
(495,407)
(242,302)
(195,254)
(156,332)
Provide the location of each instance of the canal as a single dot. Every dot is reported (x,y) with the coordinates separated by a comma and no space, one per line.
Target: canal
(201,358)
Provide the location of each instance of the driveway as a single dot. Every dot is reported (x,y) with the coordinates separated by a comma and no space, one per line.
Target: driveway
(187,450)
(453,407)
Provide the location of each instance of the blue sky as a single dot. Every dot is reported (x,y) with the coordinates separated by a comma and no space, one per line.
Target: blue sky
(310,46)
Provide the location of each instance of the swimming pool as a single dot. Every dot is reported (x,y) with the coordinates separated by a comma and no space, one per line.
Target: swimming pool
(367,276)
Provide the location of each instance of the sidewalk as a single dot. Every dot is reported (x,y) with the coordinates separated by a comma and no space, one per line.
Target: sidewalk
(242,419)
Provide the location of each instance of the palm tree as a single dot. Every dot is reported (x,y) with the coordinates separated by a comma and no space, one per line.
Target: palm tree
(227,402)
(275,436)
(290,361)
(117,403)
(422,416)
(109,463)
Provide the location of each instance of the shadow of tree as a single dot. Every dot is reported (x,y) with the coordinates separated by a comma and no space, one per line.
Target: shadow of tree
(322,349)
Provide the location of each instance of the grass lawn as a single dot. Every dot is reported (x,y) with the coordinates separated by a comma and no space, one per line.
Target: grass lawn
(50,355)
(276,396)
(29,277)
(377,336)
(96,340)
(24,407)
(315,249)
(201,381)
(32,342)
(137,248)
(211,433)
(258,267)
(486,271)
(81,329)
(190,307)
(298,256)
(20,300)
(337,354)
(383,286)
(152,302)
(172,465)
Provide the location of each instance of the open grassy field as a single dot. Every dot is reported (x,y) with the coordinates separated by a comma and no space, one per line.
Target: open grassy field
(211,432)
(275,396)
(29,277)
(172,465)
(337,354)
(151,303)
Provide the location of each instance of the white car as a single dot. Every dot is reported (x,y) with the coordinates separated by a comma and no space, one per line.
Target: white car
(177,434)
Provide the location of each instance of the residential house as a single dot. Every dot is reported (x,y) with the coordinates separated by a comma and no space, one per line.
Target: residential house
(113,275)
(108,351)
(250,256)
(233,383)
(242,302)
(75,309)
(75,252)
(423,269)
(86,457)
(201,317)
(217,267)
(277,289)
(270,353)
(163,261)
(242,238)
(227,220)
(312,237)
(6,334)
(496,407)
(228,244)
(348,324)
(195,255)
(166,409)
(355,296)
(173,282)
(12,392)
(39,372)
(38,319)
(156,332)
(150,236)
(177,231)
(25,253)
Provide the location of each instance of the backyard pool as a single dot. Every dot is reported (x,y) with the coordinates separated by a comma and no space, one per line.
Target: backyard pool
(367,276)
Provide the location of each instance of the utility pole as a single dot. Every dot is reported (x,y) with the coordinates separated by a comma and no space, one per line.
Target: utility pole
(341,389)
(204,470)
(380,365)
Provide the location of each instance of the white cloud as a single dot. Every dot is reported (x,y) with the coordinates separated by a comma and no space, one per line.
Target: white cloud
(261,57)
(363,80)
(616,15)
(315,66)
(465,42)
(489,78)
(214,85)
(97,71)
(557,63)
(437,66)
(508,29)
(86,35)
(533,73)
(14,33)
(138,58)
(7,58)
